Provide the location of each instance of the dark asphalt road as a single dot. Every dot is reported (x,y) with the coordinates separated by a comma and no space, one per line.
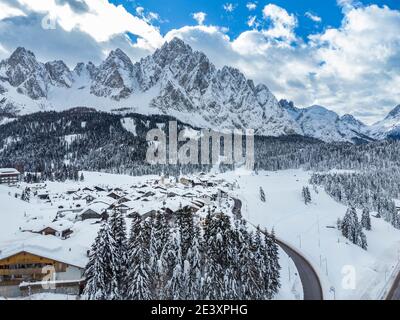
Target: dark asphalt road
(394,293)
(312,289)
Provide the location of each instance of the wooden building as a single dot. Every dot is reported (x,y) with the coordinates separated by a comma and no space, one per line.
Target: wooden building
(25,266)
(9,176)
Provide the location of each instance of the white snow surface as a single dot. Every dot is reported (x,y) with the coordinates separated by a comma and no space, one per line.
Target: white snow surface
(308,228)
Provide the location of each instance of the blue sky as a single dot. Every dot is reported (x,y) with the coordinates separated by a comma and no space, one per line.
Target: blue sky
(342,54)
(178,13)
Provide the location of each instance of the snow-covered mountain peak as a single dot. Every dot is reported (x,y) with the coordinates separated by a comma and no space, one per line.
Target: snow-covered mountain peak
(59,73)
(388,127)
(175,80)
(395,113)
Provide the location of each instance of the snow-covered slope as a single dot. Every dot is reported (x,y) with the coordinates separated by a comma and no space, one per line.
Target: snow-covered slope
(311,229)
(321,123)
(175,80)
(388,127)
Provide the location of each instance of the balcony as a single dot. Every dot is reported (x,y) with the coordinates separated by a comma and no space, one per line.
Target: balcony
(10,272)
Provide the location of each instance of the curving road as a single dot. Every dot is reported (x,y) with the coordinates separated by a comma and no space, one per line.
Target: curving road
(312,289)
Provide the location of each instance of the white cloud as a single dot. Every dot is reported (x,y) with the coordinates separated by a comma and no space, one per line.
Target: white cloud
(313,17)
(282,23)
(200,17)
(102,22)
(252,21)
(139,11)
(229,7)
(251,6)
(351,69)
(7,11)
(354,68)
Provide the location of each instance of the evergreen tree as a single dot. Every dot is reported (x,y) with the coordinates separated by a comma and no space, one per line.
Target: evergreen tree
(352,229)
(158,240)
(139,272)
(262,195)
(174,289)
(98,272)
(192,267)
(306,195)
(257,266)
(119,255)
(216,259)
(366,219)
(274,266)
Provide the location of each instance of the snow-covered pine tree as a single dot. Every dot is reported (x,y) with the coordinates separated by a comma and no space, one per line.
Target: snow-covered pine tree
(26,195)
(98,272)
(185,223)
(232,272)
(158,240)
(366,219)
(195,272)
(243,243)
(119,255)
(274,266)
(139,272)
(352,229)
(262,195)
(216,259)
(306,195)
(257,270)
(173,268)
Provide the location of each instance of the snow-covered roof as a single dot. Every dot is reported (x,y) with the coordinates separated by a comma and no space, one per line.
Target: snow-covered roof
(98,207)
(46,249)
(4,171)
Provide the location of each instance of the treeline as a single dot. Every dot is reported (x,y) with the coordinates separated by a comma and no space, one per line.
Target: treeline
(181,259)
(59,174)
(97,141)
(373,190)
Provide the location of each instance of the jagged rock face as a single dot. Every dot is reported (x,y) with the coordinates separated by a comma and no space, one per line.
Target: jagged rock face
(59,73)
(22,70)
(174,80)
(114,78)
(190,83)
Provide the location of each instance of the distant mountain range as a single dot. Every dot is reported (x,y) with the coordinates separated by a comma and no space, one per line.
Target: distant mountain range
(178,82)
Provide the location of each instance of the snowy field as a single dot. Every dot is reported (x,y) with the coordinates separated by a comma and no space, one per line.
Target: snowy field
(17,216)
(311,229)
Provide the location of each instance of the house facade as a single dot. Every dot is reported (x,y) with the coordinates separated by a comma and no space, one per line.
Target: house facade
(9,176)
(24,267)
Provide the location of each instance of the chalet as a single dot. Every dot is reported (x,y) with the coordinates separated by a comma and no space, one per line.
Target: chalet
(122,208)
(89,198)
(114,195)
(99,189)
(29,266)
(96,210)
(59,229)
(87,189)
(186,181)
(123,200)
(198,203)
(43,196)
